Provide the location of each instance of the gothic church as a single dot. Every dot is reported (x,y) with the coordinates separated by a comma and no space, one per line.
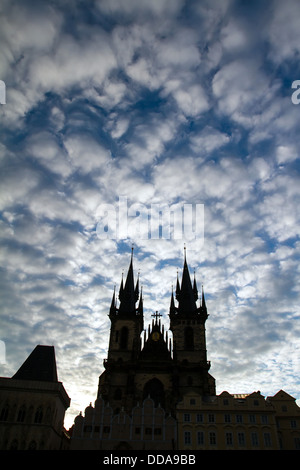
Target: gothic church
(147,372)
(142,364)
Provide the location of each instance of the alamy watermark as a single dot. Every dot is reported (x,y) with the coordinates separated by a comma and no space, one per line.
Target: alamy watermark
(154,222)
(2,352)
(296,95)
(2,92)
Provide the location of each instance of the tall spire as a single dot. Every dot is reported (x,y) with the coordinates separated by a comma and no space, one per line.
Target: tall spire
(186,296)
(128,294)
(113,306)
(172,303)
(195,290)
(140,306)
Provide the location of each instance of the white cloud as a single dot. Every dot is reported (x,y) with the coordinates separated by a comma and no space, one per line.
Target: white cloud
(233,37)
(86,154)
(286,153)
(157,8)
(283,30)
(192,100)
(72,63)
(44,147)
(245,93)
(208,140)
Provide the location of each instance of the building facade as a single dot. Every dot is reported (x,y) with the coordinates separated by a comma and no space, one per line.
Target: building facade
(227,422)
(147,427)
(33,404)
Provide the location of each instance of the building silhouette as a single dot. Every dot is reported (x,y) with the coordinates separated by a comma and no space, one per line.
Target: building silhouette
(132,372)
(156,392)
(33,404)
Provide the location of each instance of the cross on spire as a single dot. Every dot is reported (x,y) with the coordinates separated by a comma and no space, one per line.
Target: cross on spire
(156,315)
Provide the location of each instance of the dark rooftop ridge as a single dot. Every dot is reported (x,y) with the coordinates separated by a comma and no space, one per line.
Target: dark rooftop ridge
(40,365)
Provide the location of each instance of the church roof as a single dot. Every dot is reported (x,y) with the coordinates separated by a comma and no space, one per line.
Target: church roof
(156,346)
(40,365)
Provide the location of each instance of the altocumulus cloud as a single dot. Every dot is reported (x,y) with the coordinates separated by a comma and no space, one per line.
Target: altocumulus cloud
(167,102)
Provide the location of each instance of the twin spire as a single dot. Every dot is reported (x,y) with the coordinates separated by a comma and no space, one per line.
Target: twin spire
(186,295)
(128,295)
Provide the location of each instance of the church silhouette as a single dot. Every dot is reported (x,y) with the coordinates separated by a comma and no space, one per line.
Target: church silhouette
(155,393)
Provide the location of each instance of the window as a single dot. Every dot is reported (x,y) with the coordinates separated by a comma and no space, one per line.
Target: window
(252,419)
(4,413)
(200,438)
(297,443)
(225,401)
(157,431)
(187,438)
(293,423)
(155,389)
(106,429)
(229,439)
(186,417)
(21,414)
(267,439)
(211,418)
(254,439)
(199,418)
(192,401)
(264,419)
(227,418)
(38,415)
(241,438)
(137,430)
(212,438)
(239,418)
(148,431)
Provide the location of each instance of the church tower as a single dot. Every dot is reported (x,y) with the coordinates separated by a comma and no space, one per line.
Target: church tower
(127,321)
(135,370)
(187,323)
(127,324)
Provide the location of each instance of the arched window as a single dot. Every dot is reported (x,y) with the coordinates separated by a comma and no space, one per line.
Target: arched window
(189,338)
(38,415)
(4,413)
(21,414)
(124,338)
(155,389)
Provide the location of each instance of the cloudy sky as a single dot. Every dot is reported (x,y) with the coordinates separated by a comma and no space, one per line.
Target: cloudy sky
(170,102)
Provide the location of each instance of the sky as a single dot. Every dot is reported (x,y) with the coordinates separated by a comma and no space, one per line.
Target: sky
(164,103)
